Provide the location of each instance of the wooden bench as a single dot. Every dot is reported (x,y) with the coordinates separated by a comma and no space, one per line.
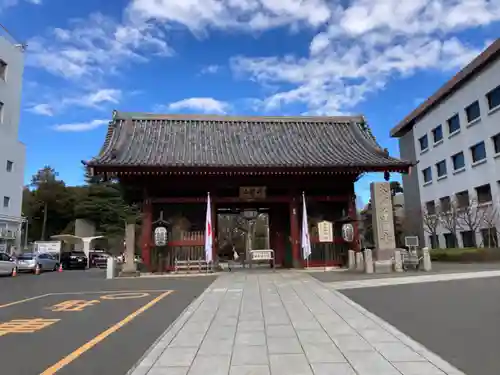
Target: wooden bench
(261,256)
(197,265)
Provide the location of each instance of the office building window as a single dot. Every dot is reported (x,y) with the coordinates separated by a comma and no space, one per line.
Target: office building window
(9,166)
(450,240)
(427,174)
(496,143)
(463,199)
(483,193)
(437,133)
(458,161)
(441,168)
(430,207)
(473,111)
(6,202)
(493,98)
(478,152)
(445,204)
(453,124)
(424,143)
(489,236)
(3,69)
(468,238)
(434,241)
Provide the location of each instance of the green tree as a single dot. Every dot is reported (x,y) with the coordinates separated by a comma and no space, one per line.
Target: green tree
(103,204)
(49,201)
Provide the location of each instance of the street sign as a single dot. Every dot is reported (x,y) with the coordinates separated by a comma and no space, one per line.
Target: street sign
(325,231)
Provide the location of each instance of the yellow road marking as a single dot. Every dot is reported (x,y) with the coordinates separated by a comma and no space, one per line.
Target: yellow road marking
(125,296)
(85,292)
(96,340)
(73,305)
(112,291)
(25,325)
(24,300)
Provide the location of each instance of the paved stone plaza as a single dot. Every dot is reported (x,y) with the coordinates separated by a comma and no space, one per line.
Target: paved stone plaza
(283,323)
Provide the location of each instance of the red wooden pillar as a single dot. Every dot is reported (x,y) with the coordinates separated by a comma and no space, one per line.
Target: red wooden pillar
(294,232)
(276,236)
(214,230)
(356,245)
(146,234)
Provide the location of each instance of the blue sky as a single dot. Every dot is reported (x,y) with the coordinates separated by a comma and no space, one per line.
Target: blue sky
(281,57)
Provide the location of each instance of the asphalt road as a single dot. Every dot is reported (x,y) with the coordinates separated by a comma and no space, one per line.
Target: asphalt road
(115,323)
(458,320)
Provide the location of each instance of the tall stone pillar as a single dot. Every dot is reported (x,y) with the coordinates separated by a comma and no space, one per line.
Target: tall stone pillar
(129,267)
(147,233)
(383,226)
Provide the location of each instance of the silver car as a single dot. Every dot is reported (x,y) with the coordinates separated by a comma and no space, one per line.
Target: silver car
(43,261)
(7,264)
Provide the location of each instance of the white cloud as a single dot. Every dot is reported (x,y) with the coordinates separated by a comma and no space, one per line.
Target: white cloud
(93,47)
(204,105)
(210,69)
(98,99)
(198,15)
(359,47)
(95,99)
(4,4)
(43,109)
(80,127)
(365,45)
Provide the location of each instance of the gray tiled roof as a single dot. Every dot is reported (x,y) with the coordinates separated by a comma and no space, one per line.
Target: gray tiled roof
(140,139)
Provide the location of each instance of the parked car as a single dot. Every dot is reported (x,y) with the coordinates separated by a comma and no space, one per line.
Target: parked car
(33,261)
(74,260)
(98,259)
(7,264)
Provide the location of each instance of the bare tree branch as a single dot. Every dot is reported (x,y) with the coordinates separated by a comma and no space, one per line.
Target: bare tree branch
(490,219)
(431,220)
(448,218)
(470,216)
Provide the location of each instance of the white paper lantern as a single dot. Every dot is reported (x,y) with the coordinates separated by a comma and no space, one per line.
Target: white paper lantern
(348,232)
(160,236)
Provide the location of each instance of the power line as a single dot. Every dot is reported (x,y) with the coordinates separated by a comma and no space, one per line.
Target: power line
(22,46)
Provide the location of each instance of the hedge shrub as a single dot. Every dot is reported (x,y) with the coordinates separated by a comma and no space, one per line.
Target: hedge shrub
(467,255)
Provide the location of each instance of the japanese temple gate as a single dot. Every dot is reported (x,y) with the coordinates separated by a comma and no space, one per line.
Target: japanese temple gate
(168,163)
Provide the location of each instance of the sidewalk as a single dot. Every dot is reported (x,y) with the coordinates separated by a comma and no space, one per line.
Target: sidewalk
(283,323)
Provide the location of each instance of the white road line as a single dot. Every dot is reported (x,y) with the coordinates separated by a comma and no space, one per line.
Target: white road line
(370,283)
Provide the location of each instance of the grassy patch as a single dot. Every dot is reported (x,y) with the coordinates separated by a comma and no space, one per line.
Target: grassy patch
(467,255)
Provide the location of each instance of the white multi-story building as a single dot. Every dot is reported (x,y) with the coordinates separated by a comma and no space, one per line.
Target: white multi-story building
(12,152)
(454,140)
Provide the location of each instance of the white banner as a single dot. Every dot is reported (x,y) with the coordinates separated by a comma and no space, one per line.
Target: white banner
(305,241)
(208,232)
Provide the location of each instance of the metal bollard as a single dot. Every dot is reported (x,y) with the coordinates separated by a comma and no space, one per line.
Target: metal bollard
(111,268)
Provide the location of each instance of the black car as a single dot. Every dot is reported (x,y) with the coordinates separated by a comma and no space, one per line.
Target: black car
(74,260)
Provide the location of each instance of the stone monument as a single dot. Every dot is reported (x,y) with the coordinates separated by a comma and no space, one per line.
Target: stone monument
(383,226)
(129,267)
